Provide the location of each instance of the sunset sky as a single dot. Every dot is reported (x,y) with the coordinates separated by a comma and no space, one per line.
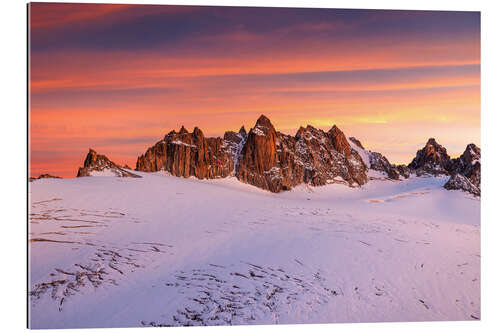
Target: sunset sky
(117,78)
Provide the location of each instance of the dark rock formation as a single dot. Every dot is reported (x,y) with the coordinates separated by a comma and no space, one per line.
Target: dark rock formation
(380,163)
(467,166)
(356,142)
(339,141)
(432,159)
(377,161)
(234,142)
(403,170)
(459,182)
(42,176)
(262,157)
(99,163)
(466,163)
(258,157)
(277,162)
(185,154)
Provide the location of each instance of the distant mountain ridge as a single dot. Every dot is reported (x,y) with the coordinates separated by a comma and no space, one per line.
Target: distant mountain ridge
(277,162)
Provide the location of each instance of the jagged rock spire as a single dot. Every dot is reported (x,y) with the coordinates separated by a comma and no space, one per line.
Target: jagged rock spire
(96,164)
(432,159)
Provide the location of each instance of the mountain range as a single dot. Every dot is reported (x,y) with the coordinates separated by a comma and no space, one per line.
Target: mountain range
(277,162)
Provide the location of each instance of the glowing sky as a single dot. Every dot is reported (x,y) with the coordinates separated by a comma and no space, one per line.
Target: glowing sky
(117,78)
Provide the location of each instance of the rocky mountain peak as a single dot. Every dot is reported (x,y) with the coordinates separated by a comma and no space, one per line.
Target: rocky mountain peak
(276,162)
(259,152)
(300,132)
(339,141)
(459,182)
(263,127)
(264,121)
(431,142)
(99,165)
(198,137)
(242,131)
(431,159)
(262,157)
(468,166)
(471,153)
(434,150)
(197,132)
(185,154)
(91,158)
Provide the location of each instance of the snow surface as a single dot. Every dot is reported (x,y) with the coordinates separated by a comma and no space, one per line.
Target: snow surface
(161,250)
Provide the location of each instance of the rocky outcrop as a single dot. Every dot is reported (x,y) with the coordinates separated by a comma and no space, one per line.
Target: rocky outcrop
(403,170)
(467,166)
(377,161)
(258,157)
(431,159)
(356,142)
(100,165)
(185,154)
(459,182)
(275,161)
(234,142)
(42,176)
(468,163)
(262,157)
(464,171)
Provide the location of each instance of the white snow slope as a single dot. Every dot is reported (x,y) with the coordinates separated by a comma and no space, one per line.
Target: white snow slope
(161,250)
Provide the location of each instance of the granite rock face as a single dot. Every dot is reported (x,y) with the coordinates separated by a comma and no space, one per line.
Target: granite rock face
(263,157)
(96,164)
(185,154)
(258,157)
(275,161)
